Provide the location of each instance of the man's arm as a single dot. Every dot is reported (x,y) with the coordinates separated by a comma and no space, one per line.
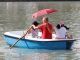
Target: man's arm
(38,27)
(53,30)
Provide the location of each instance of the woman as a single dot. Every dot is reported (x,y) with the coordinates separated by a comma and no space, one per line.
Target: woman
(60,32)
(62,24)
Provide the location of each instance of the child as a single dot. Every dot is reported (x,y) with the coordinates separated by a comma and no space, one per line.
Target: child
(68,35)
(34,31)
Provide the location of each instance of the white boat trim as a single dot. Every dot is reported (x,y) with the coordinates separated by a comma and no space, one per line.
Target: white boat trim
(18,34)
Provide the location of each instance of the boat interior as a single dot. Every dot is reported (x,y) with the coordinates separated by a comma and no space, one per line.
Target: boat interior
(19,34)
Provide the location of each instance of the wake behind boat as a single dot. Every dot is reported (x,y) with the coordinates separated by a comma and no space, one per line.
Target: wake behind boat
(37,43)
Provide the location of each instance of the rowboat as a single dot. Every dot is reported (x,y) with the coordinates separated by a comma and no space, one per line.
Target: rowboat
(37,43)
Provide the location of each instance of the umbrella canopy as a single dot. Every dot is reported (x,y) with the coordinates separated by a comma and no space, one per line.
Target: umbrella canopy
(43,12)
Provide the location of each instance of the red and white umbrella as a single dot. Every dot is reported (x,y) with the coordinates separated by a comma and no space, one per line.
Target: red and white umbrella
(43,12)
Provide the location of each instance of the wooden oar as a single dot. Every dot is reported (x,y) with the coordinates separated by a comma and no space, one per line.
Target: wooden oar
(20,38)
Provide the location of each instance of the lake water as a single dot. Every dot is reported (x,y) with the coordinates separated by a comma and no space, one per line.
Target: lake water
(37,54)
(16,16)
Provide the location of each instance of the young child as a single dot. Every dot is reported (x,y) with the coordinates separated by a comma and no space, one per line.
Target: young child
(68,35)
(31,32)
(34,31)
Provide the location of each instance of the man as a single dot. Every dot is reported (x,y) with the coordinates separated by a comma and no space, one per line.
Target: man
(46,28)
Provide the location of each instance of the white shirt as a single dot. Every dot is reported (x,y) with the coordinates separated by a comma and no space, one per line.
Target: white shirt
(60,33)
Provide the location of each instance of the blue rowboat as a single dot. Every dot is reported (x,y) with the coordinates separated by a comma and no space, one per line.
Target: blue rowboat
(37,43)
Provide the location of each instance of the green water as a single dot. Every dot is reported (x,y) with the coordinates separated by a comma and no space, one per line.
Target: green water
(16,16)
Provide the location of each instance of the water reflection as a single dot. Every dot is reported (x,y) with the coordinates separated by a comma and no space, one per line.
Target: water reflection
(36,54)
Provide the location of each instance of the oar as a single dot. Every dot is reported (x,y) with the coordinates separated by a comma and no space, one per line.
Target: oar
(20,38)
